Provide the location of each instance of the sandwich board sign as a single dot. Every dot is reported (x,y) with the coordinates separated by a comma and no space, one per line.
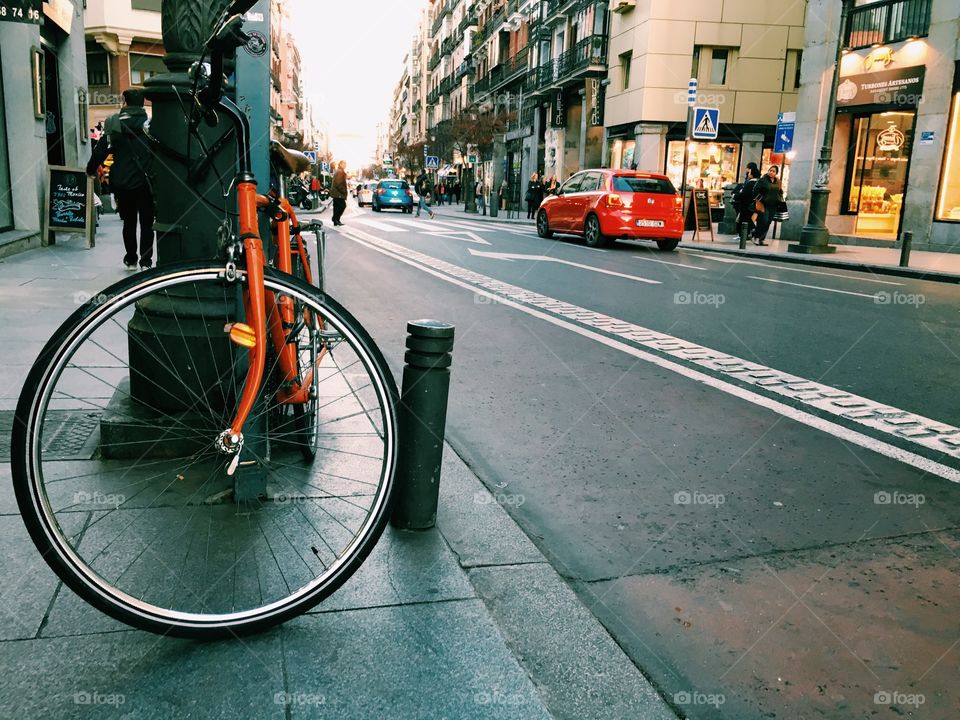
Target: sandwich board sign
(706,123)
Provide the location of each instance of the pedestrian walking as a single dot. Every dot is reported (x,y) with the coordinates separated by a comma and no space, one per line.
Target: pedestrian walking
(769,197)
(456,193)
(124,137)
(552,185)
(503,194)
(422,186)
(481,200)
(339,192)
(534,196)
(744,198)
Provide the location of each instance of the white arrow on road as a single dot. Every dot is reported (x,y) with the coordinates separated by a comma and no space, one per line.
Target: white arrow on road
(464,235)
(510,257)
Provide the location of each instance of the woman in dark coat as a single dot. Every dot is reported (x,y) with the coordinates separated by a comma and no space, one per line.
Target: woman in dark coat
(534,195)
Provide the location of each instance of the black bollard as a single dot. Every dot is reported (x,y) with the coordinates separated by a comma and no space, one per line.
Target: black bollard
(905,248)
(744,232)
(421,419)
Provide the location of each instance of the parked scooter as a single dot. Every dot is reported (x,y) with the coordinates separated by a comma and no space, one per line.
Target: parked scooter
(299,194)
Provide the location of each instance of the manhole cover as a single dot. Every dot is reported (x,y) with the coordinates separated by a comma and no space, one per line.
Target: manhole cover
(67,434)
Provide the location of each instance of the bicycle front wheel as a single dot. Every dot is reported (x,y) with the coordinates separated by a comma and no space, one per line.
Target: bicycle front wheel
(126,495)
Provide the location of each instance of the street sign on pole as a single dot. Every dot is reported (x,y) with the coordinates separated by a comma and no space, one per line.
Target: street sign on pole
(706,123)
(692,92)
(783,143)
(325,166)
(432,162)
(312,156)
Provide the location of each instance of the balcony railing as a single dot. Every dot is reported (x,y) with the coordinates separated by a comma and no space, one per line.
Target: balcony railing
(888,21)
(505,73)
(589,52)
(434,61)
(449,44)
(470,18)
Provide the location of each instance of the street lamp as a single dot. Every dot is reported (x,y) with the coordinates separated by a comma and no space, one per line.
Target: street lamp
(814,237)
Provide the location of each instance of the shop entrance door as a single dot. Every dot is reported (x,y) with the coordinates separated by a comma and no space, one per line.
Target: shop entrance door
(54,120)
(877,172)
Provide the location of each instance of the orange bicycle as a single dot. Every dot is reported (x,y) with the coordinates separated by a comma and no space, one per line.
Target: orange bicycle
(208,448)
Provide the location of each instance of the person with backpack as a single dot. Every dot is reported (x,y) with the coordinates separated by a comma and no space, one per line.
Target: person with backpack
(125,138)
(422,186)
(744,197)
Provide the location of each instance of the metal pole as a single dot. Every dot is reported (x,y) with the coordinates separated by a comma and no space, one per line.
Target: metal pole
(814,237)
(744,233)
(421,419)
(905,248)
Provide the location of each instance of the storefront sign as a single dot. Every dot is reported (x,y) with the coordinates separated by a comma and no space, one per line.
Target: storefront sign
(891,140)
(21,11)
(596,102)
(559,113)
(902,87)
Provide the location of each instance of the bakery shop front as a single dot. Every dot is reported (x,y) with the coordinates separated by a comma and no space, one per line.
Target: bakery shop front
(878,110)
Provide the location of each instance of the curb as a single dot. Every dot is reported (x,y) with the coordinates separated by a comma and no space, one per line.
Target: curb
(483,218)
(896,270)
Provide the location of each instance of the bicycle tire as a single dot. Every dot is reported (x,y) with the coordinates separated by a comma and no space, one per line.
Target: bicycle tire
(259,584)
(308,355)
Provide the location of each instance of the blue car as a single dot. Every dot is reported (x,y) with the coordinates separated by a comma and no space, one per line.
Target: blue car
(392,194)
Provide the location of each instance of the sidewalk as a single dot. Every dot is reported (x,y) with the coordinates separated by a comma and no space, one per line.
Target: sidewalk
(468,620)
(940,266)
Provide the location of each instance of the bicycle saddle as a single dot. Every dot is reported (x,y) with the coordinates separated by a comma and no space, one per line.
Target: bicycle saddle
(289,161)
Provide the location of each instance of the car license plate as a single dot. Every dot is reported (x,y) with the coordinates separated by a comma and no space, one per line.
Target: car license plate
(393,199)
(649,223)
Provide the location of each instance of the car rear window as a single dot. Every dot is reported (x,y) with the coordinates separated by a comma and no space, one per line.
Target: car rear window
(631,183)
(394,184)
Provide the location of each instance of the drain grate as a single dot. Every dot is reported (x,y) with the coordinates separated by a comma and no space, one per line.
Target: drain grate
(67,434)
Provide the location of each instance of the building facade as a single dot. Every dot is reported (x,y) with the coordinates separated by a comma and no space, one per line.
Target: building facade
(43,114)
(124,47)
(896,149)
(745,57)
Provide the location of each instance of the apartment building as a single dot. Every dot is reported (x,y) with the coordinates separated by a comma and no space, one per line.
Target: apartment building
(124,47)
(896,149)
(746,57)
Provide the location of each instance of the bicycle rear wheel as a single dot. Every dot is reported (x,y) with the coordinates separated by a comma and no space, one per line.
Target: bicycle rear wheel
(127,498)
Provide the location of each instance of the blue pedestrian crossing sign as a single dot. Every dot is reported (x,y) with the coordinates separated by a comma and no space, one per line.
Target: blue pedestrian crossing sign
(706,123)
(432,162)
(325,166)
(312,156)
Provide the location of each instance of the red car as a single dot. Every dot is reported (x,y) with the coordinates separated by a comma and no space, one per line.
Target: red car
(602,205)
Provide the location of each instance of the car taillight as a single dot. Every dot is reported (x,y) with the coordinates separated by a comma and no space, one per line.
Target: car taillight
(613,200)
(678,204)
(379,191)
(409,192)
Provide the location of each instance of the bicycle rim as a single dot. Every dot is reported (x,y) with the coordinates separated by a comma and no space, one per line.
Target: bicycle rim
(135,511)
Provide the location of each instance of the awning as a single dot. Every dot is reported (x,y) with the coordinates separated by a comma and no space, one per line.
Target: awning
(447,170)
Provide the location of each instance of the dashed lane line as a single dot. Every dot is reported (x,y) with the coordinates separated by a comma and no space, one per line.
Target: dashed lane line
(814,287)
(682,355)
(789,268)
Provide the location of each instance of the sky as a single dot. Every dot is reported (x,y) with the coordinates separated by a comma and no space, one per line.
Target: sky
(351,56)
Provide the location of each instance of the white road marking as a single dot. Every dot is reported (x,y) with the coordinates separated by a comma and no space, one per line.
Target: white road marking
(666,262)
(940,437)
(790,268)
(510,257)
(383,227)
(813,287)
(464,235)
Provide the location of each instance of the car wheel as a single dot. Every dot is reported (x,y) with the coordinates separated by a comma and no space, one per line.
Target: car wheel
(668,244)
(543,225)
(376,207)
(591,233)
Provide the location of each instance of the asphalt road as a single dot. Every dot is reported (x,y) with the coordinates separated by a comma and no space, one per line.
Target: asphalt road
(744,468)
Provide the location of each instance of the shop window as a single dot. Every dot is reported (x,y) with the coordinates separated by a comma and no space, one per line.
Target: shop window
(948,203)
(143,67)
(625,60)
(718,66)
(98,69)
(710,166)
(877,173)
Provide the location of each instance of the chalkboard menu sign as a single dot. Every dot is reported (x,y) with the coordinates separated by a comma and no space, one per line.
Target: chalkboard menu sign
(69,205)
(698,213)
